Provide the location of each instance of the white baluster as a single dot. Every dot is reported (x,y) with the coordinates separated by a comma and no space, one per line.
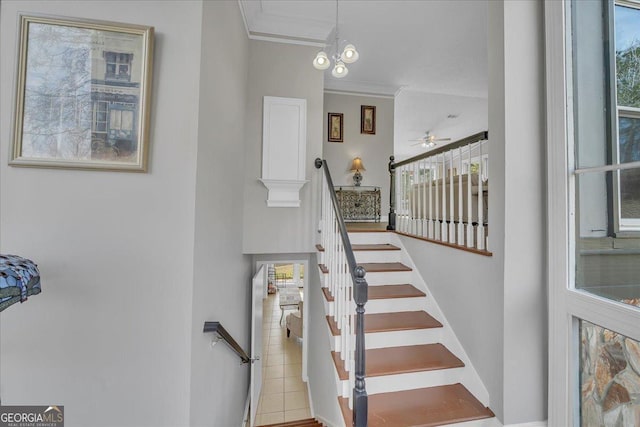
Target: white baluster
(452,235)
(436,223)
(480,234)
(430,224)
(443,224)
(469,204)
(460,234)
(423,192)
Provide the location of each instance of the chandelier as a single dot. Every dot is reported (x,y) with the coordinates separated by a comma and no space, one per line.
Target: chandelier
(348,55)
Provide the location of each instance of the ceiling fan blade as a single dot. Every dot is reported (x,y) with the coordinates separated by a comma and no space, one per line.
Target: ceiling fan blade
(419,139)
(417,143)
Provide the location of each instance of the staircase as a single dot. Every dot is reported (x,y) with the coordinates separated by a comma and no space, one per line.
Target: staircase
(417,373)
(310,422)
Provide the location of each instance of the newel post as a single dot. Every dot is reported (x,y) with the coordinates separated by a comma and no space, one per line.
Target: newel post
(360,399)
(392,195)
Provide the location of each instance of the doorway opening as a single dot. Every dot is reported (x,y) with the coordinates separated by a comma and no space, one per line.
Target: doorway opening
(284,393)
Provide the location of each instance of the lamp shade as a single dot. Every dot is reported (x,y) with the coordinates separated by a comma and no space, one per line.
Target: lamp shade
(340,70)
(350,54)
(356,165)
(321,61)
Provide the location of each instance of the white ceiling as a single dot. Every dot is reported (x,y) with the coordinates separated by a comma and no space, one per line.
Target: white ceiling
(423,47)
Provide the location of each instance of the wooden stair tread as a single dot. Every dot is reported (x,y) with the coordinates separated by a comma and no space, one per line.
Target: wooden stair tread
(368,247)
(375,247)
(394,291)
(309,422)
(388,322)
(399,321)
(400,360)
(323,268)
(383,267)
(327,294)
(423,407)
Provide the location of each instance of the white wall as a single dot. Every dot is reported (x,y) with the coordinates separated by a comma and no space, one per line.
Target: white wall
(374,150)
(322,384)
(516,203)
(112,327)
(468,289)
(222,274)
(497,305)
(285,70)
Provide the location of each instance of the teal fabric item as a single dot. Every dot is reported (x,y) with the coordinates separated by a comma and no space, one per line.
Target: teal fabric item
(19,279)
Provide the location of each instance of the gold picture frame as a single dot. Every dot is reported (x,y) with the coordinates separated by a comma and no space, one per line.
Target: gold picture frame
(335,131)
(82,95)
(368,119)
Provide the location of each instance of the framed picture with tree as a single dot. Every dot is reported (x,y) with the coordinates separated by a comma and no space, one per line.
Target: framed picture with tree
(368,119)
(83,94)
(335,127)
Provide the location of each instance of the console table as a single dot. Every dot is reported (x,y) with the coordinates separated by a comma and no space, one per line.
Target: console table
(359,203)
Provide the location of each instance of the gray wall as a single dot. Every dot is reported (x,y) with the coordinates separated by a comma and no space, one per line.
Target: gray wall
(525,300)
(285,70)
(322,385)
(222,279)
(497,305)
(373,149)
(112,327)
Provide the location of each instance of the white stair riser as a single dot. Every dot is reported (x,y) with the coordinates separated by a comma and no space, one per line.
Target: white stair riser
(390,305)
(402,338)
(389,278)
(378,256)
(394,338)
(410,380)
(369,238)
(487,422)
(394,305)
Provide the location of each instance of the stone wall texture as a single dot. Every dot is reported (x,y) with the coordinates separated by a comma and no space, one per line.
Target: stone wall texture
(609,378)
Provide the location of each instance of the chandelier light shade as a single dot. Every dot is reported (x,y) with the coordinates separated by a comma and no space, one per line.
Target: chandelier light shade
(349,55)
(340,70)
(321,62)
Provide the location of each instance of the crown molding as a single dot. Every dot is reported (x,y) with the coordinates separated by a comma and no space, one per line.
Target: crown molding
(282,29)
(343,87)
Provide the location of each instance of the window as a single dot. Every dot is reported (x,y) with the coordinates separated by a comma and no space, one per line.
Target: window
(118,66)
(627,63)
(100,116)
(605,75)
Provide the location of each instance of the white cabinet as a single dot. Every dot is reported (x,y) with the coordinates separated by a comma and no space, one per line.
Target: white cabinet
(284,150)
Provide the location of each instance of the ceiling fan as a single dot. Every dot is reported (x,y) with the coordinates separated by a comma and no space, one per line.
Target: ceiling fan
(428,140)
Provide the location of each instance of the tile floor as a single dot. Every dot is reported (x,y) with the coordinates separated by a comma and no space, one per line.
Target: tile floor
(284,395)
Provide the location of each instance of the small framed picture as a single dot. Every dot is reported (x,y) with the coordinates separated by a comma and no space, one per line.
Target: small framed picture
(368,119)
(335,127)
(83,94)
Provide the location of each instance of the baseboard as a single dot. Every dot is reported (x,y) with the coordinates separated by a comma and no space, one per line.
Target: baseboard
(533,424)
(246,418)
(324,422)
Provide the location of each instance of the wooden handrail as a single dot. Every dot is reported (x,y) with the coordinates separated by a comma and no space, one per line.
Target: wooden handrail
(216,327)
(360,296)
(481,136)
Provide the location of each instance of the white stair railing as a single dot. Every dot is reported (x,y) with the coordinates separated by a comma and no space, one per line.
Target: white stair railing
(346,283)
(442,195)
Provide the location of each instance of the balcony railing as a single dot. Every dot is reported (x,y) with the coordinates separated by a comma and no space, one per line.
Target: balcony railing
(442,195)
